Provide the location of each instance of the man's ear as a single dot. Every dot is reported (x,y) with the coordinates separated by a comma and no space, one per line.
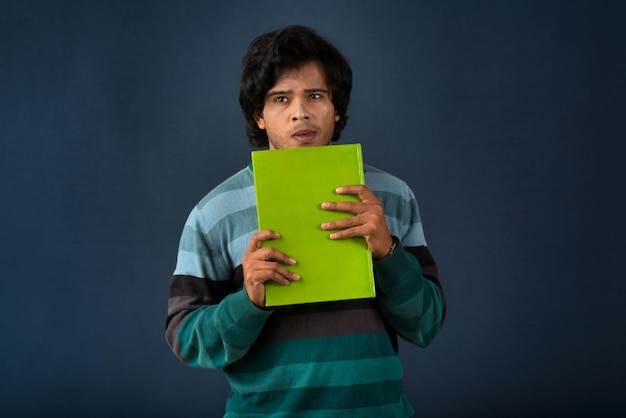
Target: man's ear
(258,118)
(337,117)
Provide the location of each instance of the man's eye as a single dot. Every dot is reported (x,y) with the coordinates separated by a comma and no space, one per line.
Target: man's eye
(280,99)
(315,96)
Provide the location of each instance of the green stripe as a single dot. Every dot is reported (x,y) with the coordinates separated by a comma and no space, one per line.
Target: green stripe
(318,374)
(216,335)
(408,281)
(194,351)
(326,349)
(430,313)
(399,409)
(384,395)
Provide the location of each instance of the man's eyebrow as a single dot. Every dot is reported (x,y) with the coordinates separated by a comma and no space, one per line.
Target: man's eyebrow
(318,90)
(278,92)
(284,92)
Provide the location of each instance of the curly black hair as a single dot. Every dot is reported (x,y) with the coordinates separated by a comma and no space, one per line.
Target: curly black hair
(269,55)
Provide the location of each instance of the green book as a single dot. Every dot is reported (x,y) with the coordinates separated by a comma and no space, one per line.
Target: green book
(290,186)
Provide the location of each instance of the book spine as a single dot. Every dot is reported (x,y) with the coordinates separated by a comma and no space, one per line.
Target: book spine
(359,155)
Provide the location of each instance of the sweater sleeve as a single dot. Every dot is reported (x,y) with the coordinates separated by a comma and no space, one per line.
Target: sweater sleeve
(413,304)
(211,321)
(215,336)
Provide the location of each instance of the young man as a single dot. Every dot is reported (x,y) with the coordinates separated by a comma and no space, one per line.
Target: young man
(315,360)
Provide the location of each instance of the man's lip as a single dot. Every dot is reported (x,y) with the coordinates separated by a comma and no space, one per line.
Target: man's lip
(304,134)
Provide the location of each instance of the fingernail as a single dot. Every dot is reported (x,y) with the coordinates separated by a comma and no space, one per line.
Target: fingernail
(296,277)
(333,236)
(324,225)
(292,261)
(325,205)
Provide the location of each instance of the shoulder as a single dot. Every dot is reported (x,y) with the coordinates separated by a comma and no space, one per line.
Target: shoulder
(381,181)
(234,184)
(234,194)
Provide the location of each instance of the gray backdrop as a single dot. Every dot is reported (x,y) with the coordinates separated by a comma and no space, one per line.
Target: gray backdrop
(505,117)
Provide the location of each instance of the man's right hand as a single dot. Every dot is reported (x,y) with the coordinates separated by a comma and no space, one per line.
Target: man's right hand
(263,264)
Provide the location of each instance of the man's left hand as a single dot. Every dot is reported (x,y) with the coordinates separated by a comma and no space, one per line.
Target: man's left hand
(368,222)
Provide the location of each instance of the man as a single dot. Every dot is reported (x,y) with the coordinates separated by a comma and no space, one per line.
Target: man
(313,360)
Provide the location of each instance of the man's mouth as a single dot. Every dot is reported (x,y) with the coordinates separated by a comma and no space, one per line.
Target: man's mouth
(304,135)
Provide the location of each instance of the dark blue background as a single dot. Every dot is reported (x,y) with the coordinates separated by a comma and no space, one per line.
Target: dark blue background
(507,118)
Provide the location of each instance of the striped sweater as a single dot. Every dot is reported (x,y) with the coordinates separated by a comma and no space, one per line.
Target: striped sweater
(315,360)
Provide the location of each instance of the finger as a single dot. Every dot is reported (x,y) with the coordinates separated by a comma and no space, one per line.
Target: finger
(343,234)
(259,237)
(355,226)
(356,189)
(273,271)
(342,223)
(284,276)
(350,207)
(358,231)
(271,253)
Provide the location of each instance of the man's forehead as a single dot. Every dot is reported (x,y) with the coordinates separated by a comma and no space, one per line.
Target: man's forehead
(310,72)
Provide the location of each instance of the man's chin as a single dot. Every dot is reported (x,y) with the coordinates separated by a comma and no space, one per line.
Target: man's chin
(295,142)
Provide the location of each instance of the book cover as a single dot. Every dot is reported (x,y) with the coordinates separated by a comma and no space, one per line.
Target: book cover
(290,186)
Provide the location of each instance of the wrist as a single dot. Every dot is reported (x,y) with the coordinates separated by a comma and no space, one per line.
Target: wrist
(392,247)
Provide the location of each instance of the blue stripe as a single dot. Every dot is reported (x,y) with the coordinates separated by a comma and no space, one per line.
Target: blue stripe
(222,205)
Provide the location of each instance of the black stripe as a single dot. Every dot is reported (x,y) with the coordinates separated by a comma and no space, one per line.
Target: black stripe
(210,291)
(323,320)
(188,293)
(429,269)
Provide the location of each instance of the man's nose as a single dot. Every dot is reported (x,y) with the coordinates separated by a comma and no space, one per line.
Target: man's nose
(299,110)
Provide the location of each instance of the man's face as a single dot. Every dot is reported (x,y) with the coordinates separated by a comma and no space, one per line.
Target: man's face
(298,110)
